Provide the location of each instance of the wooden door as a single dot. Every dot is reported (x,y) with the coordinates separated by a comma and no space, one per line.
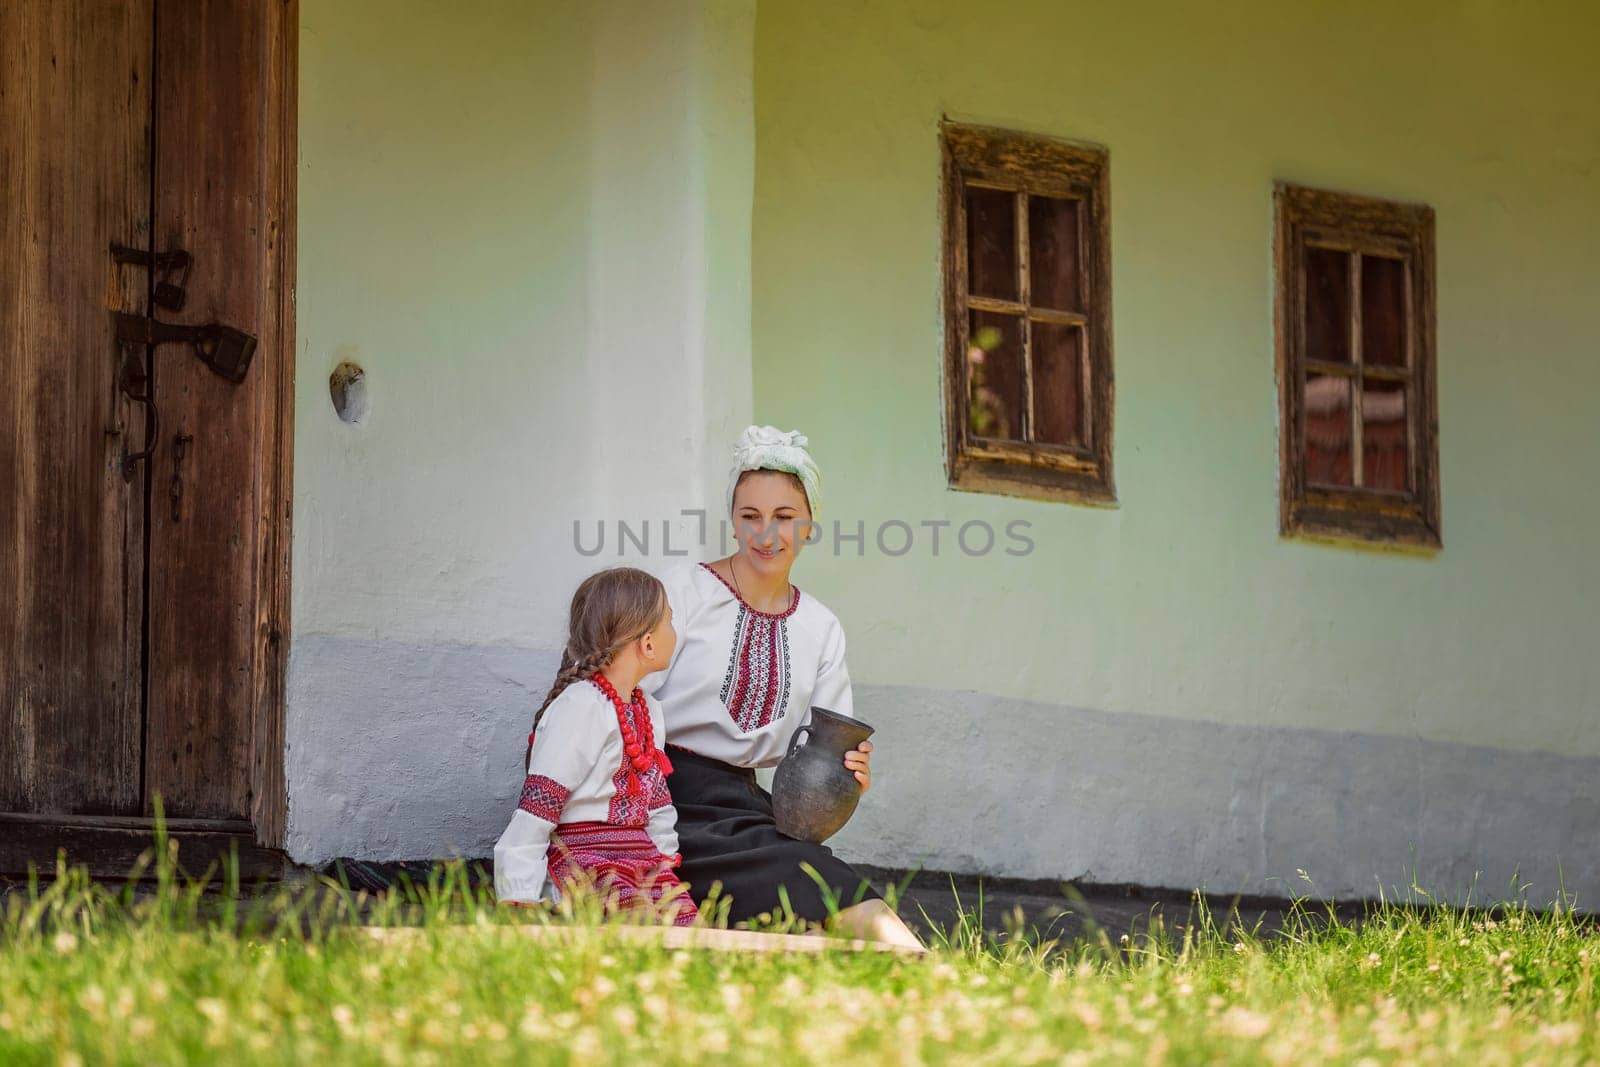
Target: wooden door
(75,112)
(142,645)
(210,59)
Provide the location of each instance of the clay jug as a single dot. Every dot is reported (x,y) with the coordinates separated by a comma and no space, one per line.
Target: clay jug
(813,792)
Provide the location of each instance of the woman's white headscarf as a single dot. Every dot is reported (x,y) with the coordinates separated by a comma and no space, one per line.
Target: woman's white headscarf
(767,448)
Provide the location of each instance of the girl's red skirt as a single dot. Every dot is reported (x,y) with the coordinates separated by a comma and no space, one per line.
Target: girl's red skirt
(622,864)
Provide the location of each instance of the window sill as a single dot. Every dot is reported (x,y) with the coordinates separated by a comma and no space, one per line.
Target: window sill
(1089,485)
(1362,528)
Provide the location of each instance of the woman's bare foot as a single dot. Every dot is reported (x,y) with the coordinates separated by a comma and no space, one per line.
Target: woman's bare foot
(871,920)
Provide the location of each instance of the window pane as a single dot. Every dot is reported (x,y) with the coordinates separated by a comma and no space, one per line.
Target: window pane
(1385,455)
(992,243)
(1327,411)
(1328,305)
(994,375)
(1053,273)
(1383,311)
(1057,383)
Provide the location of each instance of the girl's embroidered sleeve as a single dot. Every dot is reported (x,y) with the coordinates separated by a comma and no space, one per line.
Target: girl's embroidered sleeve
(833,676)
(520,872)
(565,748)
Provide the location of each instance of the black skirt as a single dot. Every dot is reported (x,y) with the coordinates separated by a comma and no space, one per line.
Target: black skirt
(732,850)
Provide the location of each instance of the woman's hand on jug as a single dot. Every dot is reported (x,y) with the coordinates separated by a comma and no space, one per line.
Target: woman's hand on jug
(860,761)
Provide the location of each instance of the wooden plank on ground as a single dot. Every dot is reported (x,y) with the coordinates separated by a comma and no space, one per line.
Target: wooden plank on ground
(672,937)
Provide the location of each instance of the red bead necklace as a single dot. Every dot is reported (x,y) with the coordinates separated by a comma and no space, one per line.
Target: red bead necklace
(641,751)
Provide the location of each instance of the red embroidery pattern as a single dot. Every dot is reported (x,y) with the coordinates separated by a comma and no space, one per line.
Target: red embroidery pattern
(755,691)
(756,688)
(622,864)
(659,795)
(543,797)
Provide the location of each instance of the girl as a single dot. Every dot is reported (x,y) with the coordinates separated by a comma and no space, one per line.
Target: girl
(595,809)
(755,656)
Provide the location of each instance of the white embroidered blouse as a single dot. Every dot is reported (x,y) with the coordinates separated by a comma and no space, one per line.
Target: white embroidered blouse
(742,681)
(577,774)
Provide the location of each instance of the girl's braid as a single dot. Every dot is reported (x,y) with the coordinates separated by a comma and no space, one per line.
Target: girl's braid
(572,670)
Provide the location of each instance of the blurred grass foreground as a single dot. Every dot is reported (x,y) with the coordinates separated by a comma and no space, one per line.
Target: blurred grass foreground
(169,970)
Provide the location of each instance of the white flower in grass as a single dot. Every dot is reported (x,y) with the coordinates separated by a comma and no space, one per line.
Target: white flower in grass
(1087,1014)
(1566,1033)
(586,1045)
(64,943)
(1242,1022)
(533,1025)
(732,998)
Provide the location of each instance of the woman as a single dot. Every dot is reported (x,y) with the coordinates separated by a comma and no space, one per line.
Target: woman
(753,656)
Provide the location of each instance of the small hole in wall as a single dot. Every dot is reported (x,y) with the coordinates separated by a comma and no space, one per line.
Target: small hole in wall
(348,387)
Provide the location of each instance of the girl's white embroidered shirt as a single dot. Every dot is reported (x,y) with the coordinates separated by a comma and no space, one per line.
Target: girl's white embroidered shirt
(577,773)
(742,681)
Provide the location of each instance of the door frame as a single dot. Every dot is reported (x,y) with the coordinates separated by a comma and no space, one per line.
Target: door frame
(269,803)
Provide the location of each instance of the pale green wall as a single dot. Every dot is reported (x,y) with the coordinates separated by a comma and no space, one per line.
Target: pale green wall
(530,223)
(1184,601)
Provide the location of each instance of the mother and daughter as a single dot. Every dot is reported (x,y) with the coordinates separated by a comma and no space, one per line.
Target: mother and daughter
(720,664)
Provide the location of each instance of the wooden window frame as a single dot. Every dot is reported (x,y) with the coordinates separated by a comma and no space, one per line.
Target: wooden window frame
(1320,218)
(1029,164)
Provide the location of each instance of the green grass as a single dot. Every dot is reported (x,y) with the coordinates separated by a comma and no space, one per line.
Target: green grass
(93,975)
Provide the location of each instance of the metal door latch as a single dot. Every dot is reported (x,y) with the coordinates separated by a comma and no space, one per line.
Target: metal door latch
(164,265)
(225,350)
